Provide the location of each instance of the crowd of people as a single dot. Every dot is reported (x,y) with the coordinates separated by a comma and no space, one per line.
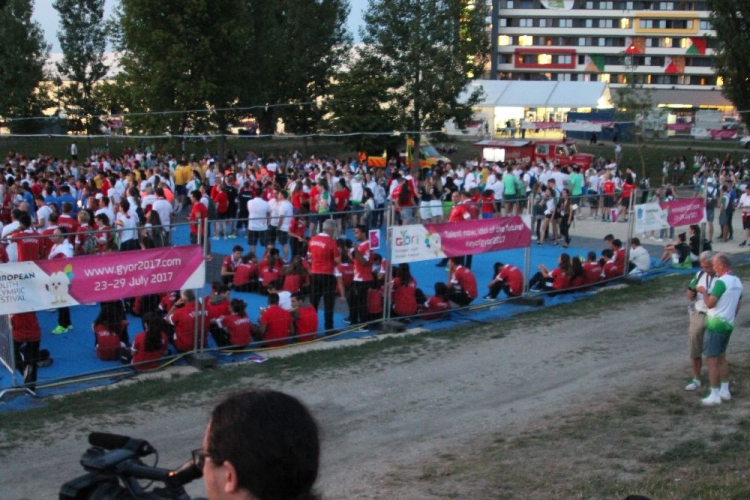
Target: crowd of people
(290,210)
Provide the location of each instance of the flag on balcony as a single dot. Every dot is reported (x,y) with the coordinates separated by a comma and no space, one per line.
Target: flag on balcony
(594,63)
(674,64)
(697,46)
(635,45)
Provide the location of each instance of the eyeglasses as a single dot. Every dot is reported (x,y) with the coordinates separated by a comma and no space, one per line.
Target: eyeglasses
(200,456)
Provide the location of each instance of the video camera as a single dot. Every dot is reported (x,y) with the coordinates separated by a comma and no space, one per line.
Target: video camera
(114,469)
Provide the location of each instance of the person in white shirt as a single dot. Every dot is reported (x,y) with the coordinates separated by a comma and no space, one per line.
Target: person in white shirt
(639,257)
(104,207)
(284,214)
(744,205)
(62,249)
(43,212)
(127,225)
(164,209)
(258,213)
(593,181)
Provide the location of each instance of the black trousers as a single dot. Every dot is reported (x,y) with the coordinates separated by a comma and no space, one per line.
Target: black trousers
(324,285)
(460,297)
(63,317)
(358,301)
(565,229)
(27,354)
(498,287)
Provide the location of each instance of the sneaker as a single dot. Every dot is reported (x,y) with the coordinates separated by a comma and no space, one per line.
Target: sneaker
(69,329)
(361,329)
(711,400)
(744,243)
(44,363)
(59,329)
(488,297)
(348,321)
(725,395)
(693,385)
(232,236)
(215,238)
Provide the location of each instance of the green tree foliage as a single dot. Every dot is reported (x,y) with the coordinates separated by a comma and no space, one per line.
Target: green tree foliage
(83,42)
(731,21)
(22,56)
(426,52)
(182,55)
(295,48)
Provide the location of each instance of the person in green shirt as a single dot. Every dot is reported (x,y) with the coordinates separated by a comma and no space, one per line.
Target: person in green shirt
(575,184)
(723,303)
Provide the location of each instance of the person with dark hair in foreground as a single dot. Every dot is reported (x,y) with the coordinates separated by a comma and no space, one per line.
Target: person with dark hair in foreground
(260,445)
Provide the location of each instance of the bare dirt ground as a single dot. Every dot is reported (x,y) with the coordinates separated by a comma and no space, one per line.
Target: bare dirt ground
(408,422)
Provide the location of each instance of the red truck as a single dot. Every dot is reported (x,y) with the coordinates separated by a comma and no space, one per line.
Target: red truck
(529,151)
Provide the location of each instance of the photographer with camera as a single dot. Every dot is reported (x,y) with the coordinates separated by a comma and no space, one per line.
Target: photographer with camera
(261,444)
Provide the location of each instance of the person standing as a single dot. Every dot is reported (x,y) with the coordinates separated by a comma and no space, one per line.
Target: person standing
(325,257)
(74,151)
(363,279)
(284,214)
(62,249)
(744,205)
(697,312)
(723,303)
(258,211)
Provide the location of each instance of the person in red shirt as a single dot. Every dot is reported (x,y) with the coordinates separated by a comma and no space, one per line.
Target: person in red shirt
(436,306)
(234,329)
(460,212)
(341,201)
(508,278)
(270,270)
(488,204)
(628,189)
(275,323)
(592,270)
(462,283)
(67,222)
(363,279)
(608,189)
(149,345)
(27,239)
(296,276)
(230,263)
(217,304)
(182,315)
(305,319)
(27,335)
(325,256)
(556,280)
(198,216)
(404,292)
(220,198)
(246,274)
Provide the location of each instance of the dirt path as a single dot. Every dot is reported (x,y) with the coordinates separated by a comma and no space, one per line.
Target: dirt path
(401,409)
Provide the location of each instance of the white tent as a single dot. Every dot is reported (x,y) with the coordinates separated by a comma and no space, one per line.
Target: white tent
(573,95)
(506,101)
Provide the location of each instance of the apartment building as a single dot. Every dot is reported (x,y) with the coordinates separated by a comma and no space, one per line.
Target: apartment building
(662,44)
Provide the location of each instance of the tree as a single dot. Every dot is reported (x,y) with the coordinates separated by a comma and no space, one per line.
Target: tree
(184,61)
(295,48)
(731,21)
(22,56)
(83,41)
(427,52)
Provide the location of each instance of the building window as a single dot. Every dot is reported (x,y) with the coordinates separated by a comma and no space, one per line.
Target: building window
(525,40)
(564,77)
(509,4)
(525,23)
(504,59)
(504,41)
(564,59)
(606,5)
(565,23)
(667,43)
(502,22)
(589,23)
(605,23)
(544,59)
(604,77)
(706,26)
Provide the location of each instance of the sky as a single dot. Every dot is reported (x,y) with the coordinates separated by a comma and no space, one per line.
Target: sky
(47,17)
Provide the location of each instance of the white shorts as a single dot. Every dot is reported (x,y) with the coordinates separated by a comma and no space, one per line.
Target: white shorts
(424,210)
(437,208)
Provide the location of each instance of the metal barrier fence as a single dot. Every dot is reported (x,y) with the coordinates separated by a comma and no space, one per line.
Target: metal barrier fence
(385,219)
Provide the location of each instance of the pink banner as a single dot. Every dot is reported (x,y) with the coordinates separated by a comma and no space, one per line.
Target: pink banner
(547,125)
(723,135)
(113,276)
(479,236)
(685,211)
(680,127)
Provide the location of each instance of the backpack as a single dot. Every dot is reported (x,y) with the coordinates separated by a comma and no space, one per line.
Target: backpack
(532,180)
(710,197)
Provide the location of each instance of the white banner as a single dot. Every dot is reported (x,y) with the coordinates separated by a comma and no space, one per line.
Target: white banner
(650,217)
